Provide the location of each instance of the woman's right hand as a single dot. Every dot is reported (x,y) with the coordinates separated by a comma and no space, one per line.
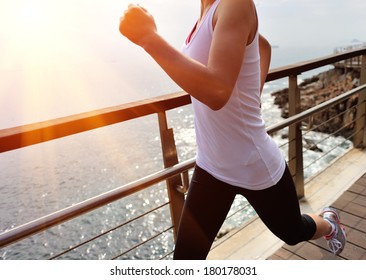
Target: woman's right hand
(137,24)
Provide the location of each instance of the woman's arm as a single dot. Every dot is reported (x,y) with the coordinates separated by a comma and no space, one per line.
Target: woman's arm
(212,84)
(265,51)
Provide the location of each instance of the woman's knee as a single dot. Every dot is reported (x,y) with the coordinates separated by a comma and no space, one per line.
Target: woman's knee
(292,241)
(303,231)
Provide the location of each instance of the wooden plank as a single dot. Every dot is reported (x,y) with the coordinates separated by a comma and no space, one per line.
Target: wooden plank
(283,254)
(360,200)
(350,220)
(362,226)
(353,252)
(358,188)
(311,251)
(356,237)
(356,209)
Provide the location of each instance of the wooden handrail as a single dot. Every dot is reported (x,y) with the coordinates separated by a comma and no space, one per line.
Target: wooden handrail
(26,135)
(304,66)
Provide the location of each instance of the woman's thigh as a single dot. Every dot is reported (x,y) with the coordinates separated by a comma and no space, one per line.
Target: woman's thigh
(279,209)
(205,209)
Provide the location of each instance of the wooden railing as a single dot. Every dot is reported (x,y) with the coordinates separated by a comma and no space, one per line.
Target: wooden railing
(175,173)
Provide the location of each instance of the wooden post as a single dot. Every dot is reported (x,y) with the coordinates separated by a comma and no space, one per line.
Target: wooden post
(363,94)
(295,138)
(170,158)
(359,139)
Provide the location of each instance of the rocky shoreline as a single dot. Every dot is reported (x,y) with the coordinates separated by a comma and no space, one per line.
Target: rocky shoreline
(339,119)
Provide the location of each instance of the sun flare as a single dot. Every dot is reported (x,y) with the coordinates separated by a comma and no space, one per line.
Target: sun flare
(49,62)
(31,16)
(53,63)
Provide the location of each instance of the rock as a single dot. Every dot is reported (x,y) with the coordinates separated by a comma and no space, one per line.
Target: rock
(338,119)
(310,145)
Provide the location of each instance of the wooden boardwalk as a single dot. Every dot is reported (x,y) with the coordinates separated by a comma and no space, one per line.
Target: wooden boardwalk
(352,207)
(342,185)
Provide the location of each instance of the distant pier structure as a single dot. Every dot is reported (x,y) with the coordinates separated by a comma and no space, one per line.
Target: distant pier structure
(352,63)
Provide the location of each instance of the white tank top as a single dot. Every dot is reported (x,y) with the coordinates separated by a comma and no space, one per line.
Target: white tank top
(232,143)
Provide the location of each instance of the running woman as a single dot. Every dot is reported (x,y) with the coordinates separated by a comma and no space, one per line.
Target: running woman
(223,66)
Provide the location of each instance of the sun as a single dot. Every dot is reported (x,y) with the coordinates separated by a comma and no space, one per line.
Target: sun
(30,13)
(32,18)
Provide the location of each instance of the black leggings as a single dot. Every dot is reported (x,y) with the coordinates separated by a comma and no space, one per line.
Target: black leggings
(209,200)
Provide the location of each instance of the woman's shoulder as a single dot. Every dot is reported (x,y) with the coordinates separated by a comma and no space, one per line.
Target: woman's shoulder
(236,9)
(238,4)
(239,12)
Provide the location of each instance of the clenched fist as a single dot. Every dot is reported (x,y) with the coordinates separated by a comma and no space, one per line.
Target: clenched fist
(137,25)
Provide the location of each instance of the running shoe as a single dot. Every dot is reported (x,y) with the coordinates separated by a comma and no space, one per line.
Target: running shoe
(337,239)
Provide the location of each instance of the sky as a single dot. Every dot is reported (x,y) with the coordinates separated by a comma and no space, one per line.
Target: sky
(313,22)
(61,57)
